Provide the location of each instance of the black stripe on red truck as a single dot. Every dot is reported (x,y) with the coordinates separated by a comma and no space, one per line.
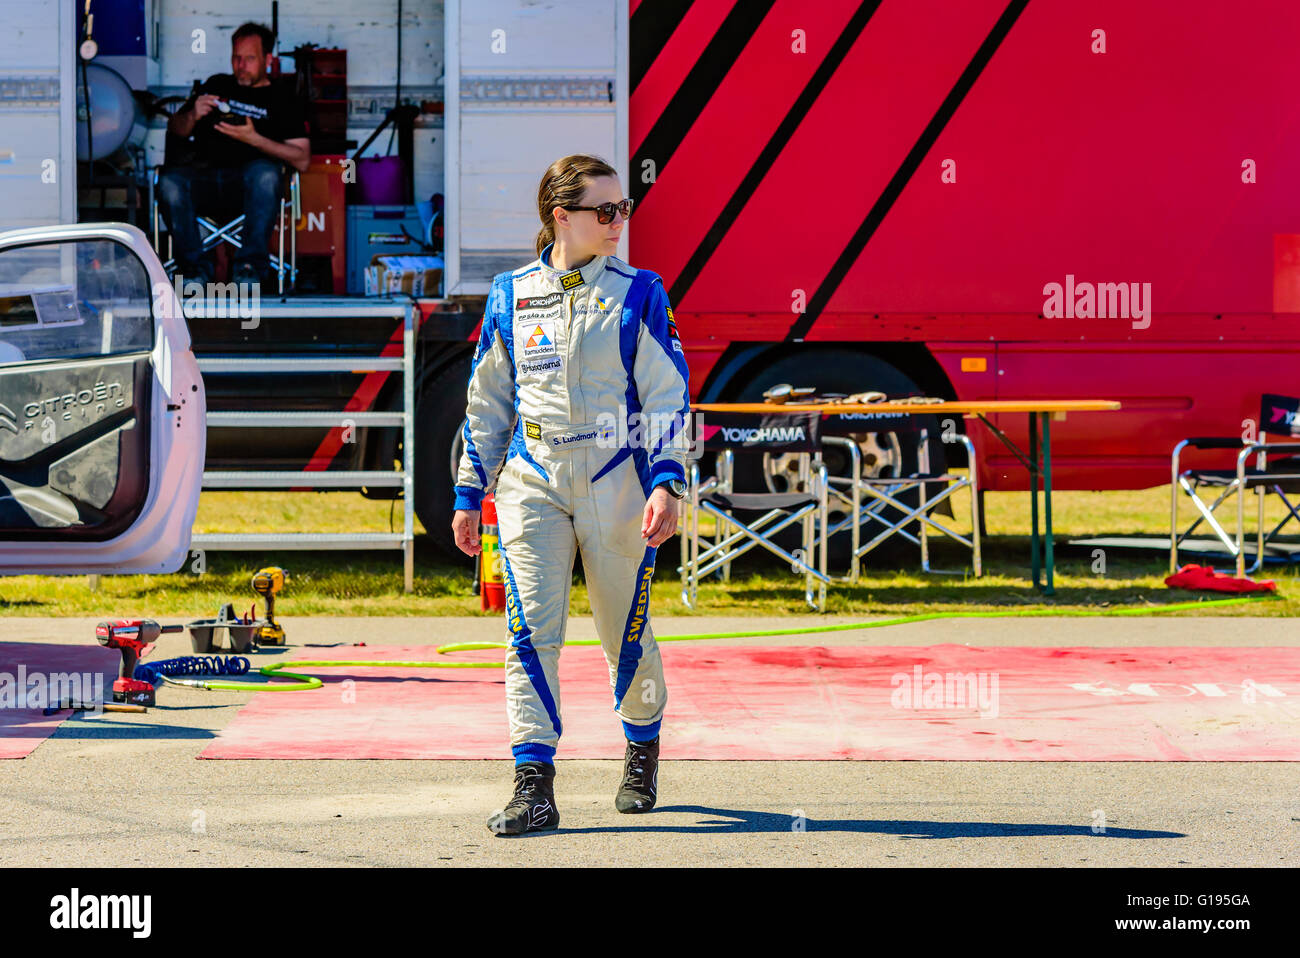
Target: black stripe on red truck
(799,328)
(697,89)
(651,27)
(780,137)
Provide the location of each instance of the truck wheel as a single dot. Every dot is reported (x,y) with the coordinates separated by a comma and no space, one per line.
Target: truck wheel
(890,454)
(439,415)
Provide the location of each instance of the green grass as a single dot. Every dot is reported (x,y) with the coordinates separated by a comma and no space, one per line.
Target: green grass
(370,583)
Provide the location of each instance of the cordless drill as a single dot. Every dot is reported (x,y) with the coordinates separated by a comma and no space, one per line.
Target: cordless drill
(135,638)
(266,583)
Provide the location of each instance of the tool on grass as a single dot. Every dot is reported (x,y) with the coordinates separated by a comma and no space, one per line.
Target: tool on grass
(135,639)
(266,583)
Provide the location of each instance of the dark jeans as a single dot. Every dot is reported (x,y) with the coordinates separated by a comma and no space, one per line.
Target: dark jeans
(254,189)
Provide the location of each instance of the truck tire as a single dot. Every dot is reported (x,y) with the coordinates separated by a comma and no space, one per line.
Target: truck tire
(841,371)
(439,414)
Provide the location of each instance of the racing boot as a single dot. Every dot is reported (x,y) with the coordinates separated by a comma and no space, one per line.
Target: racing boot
(532,809)
(640,777)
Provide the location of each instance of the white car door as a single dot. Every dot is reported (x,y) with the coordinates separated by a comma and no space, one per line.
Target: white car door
(102,410)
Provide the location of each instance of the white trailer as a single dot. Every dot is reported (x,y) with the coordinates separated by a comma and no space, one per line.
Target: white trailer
(523,84)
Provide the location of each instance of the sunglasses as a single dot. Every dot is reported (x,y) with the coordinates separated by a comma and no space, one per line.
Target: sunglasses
(605,211)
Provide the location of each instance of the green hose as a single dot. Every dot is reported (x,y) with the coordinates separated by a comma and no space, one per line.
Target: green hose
(303,682)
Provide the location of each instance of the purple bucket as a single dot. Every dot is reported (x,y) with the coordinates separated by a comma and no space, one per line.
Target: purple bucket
(379,180)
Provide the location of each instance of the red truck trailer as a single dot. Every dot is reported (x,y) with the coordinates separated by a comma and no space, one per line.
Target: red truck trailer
(981,200)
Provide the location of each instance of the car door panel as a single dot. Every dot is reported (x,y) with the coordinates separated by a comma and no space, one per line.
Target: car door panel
(90,481)
(102,409)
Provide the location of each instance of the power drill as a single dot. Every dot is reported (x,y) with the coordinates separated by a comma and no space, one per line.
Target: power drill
(135,638)
(266,583)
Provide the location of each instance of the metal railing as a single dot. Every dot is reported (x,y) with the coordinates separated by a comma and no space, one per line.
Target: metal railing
(331,478)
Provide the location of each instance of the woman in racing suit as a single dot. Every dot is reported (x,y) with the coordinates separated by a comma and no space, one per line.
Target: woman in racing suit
(579,397)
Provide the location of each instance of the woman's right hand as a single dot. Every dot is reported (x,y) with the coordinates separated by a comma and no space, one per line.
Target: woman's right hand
(464,527)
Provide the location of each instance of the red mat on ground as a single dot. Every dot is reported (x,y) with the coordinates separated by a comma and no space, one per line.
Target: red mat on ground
(36,664)
(1043,704)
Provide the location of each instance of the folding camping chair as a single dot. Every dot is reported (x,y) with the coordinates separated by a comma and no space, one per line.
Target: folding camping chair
(878,499)
(1277,417)
(724,434)
(214,233)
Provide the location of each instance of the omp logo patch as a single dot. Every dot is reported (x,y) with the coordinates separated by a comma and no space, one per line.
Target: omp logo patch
(570,280)
(541,339)
(532,430)
(672,322)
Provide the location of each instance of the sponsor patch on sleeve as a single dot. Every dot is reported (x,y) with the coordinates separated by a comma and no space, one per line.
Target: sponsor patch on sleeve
(532,430)
(672,330)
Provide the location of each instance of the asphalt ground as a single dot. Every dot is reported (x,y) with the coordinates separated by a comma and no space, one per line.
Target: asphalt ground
(127,790)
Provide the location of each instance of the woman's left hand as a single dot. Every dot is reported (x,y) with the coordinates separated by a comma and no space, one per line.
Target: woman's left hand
(659,521)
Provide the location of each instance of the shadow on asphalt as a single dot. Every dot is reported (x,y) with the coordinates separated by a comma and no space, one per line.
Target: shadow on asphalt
(748,822)
(99,728)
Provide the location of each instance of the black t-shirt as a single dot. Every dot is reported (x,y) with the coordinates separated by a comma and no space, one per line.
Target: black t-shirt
(274,110)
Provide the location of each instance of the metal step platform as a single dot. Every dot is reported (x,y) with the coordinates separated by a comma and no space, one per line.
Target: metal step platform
(403,310)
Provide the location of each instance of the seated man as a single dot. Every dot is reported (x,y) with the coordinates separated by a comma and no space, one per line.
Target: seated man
(235,135)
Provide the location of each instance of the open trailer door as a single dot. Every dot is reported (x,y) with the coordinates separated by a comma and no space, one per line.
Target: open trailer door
(102,411)
(526,83)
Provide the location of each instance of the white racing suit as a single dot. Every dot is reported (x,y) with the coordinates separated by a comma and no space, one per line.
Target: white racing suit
(579,383)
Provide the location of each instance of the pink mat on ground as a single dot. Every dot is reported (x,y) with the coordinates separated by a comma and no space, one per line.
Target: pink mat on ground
(755,702)
(21,730)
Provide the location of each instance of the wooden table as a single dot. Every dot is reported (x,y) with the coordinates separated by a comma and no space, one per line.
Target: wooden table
(1038,464)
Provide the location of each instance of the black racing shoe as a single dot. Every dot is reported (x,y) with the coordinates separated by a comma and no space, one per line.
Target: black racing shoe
(533,807)
(640,778)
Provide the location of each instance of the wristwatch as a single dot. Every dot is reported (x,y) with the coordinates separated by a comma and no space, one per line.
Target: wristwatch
(676,488)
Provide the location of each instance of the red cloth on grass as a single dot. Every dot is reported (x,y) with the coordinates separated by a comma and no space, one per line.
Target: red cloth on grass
(1204,577)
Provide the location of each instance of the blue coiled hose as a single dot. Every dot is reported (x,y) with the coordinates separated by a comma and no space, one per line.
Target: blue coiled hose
(155,672)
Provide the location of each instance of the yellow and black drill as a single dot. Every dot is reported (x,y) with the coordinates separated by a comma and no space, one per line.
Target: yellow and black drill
(266,583)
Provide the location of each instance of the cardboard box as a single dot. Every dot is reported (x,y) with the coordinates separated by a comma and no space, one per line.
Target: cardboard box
(414,275)
(380,231)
